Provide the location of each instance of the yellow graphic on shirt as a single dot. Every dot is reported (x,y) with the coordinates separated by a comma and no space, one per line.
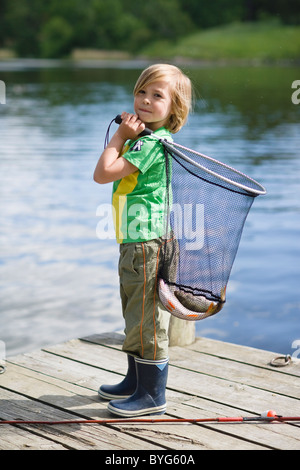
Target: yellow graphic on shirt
(119,200)
(126,186)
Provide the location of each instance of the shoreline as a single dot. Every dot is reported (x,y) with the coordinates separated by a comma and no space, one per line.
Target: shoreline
(20,63)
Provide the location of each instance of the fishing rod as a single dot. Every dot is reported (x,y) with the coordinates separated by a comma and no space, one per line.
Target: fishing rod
(266,416)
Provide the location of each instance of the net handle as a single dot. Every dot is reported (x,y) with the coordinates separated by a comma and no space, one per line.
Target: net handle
(145,132)
(174,148)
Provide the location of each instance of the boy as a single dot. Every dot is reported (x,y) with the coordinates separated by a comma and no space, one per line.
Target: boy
(162,100)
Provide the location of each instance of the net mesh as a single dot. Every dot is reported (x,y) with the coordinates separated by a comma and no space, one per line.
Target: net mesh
(205,219)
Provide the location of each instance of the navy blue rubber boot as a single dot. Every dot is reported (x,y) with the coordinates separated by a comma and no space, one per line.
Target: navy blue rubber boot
(149,397)
(123,389)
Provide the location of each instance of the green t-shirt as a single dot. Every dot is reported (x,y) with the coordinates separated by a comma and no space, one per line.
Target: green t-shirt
(139,200)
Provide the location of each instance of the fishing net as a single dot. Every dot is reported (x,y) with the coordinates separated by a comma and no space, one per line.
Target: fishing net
(207,205)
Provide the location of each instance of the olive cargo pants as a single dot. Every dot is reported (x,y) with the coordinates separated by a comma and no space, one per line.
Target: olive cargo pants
(146,320)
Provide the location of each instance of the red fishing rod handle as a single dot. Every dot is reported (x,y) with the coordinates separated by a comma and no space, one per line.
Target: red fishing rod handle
(230,420)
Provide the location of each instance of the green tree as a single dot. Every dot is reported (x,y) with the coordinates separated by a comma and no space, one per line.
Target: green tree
(23,19)
(206,13)
(56,37)
(287,11)
(112,25)
(165,19)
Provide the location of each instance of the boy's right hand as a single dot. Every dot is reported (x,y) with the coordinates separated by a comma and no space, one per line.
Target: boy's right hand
(130,127)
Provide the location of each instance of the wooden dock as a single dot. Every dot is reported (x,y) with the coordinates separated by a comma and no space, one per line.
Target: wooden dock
(206,379)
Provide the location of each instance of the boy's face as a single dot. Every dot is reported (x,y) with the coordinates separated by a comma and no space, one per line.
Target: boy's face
(153,104)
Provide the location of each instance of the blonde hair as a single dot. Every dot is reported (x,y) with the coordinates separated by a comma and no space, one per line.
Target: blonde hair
(180,88)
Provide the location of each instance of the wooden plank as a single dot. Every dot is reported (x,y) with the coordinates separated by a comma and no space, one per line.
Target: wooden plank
(69,369)
(110,339)
(15,438)
(240,354)
(237,372)
(230,393)
(92,354)
(244,354)
(191,437)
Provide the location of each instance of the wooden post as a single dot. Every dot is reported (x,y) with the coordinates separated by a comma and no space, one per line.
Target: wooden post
(181,332)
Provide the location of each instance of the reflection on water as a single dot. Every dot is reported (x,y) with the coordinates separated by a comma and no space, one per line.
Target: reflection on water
(59,281)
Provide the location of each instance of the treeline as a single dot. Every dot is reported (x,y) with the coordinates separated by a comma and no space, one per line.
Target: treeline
(53,28)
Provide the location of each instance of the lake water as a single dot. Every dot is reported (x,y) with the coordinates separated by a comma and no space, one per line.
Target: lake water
(59,280)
